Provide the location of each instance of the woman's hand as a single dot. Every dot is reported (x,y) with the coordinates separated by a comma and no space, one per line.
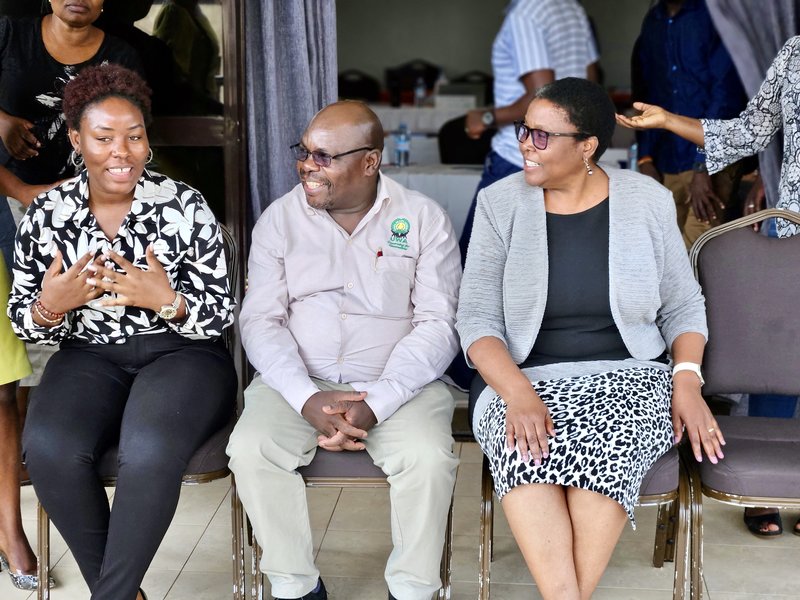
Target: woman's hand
(135,287)
(652,117)
(63,292)
(528,423)
(690,413)
(17,137)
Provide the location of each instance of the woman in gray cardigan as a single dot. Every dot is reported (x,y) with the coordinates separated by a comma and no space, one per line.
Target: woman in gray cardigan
(577,291)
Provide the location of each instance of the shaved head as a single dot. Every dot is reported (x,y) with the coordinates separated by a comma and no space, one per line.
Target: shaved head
(354,120)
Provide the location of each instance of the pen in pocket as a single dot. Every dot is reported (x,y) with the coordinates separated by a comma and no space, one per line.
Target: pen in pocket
(378,254)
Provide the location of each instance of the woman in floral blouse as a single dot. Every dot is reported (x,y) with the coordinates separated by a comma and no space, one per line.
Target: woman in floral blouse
(125,268)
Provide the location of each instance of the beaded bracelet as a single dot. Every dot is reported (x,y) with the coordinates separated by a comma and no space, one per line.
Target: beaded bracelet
(38,307)
(50,313)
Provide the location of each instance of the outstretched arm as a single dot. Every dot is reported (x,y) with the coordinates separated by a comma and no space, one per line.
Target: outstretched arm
(655,117)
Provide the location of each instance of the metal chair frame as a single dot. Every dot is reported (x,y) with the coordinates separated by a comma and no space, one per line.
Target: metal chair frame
(699,489)
(237,519)
(379,480)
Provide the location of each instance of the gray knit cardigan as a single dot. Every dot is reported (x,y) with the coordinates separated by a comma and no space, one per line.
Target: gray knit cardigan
(653,294)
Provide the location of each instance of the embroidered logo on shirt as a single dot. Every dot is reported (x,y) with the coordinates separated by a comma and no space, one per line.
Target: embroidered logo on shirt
(400,229)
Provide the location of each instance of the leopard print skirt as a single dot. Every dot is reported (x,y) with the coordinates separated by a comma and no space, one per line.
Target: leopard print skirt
(610,429)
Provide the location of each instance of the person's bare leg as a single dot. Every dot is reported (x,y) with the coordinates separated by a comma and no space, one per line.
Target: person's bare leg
(597,523)
(539,519)
(23,393)
(13,542)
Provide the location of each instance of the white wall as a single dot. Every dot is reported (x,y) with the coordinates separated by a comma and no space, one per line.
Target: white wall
(458,34)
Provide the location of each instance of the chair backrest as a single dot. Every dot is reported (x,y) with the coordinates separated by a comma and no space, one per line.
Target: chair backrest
(232,263)
(485,79)
(751,285)
(357,85)
(400,80)
(456,148)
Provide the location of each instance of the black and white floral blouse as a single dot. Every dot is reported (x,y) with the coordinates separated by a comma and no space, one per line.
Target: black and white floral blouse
(775,105)
(169,214)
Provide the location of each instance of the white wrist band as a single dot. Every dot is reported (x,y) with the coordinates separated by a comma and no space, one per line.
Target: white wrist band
(689,366)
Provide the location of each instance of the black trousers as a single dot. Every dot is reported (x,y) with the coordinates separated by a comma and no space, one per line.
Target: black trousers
(160,396)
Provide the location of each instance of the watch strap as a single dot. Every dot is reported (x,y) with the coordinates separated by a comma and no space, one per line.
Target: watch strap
(689,366)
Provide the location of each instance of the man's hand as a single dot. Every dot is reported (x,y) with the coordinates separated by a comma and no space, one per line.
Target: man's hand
(649,169)
(337,432)
(705,203)
(358,414)
(474,126)
(755,199)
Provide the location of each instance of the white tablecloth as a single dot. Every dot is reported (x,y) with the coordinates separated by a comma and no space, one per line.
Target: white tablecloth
(452,186)
(419,119)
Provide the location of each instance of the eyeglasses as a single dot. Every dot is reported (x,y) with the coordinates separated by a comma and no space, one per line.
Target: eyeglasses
(321,159)
(539,137)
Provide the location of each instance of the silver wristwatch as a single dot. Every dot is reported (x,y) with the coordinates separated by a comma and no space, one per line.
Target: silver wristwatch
(168,311)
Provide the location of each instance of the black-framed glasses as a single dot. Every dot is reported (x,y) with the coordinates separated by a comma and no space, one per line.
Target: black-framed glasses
(321,159)
(539,137)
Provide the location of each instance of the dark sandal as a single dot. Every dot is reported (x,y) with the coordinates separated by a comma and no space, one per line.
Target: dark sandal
(755,524)
(796,529)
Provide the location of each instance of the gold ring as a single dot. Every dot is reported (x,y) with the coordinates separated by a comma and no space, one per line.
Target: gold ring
(711,430)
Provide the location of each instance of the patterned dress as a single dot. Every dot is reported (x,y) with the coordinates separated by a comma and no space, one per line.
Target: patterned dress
(776,105)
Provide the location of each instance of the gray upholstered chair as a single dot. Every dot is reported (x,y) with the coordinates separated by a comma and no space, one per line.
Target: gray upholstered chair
(752,285)
(207,464)
(665,485)
(349,469)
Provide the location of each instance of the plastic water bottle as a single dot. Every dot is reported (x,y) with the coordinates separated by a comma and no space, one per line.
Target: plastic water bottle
(633,157)
(420,92)
(402,145)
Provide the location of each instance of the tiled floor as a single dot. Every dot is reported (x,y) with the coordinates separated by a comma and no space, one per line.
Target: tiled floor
(351,530)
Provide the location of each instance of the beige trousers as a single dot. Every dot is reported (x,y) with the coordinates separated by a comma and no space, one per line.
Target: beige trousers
(724,183)
(414,447)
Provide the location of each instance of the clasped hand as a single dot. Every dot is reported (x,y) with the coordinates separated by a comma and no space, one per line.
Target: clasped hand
(342,418)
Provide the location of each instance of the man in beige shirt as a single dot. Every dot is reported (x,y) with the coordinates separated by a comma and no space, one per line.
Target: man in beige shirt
(349,320)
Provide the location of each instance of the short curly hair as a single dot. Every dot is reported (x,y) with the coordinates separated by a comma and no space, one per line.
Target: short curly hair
(95,84)
(588,107)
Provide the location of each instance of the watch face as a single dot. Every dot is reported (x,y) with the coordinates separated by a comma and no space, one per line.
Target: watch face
(167,313)
(487,118)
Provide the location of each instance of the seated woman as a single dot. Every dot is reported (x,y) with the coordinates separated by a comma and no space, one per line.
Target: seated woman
(126,269)
(576,284)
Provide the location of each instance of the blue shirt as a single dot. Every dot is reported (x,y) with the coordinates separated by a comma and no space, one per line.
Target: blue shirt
(680,64)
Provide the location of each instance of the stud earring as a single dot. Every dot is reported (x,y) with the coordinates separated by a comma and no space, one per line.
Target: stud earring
(589,169)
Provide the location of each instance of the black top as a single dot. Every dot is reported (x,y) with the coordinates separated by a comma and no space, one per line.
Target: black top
(31,86)
(577,323)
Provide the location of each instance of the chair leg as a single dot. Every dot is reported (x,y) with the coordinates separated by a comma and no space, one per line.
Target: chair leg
(43,551)
(660,551)
(237,540)
(681,518)
(696,554)
(487,526)
(258,576)
(447,553)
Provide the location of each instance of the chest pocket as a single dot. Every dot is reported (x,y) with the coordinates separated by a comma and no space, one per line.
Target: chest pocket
(394,282)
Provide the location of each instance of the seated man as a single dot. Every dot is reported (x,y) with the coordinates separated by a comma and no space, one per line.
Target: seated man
(349,320)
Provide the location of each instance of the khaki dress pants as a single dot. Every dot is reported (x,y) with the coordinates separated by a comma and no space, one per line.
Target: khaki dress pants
(414,447)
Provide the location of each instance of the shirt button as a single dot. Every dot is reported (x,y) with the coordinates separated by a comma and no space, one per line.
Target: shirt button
(350,285)
(340,360)
(344,316)
(674,67)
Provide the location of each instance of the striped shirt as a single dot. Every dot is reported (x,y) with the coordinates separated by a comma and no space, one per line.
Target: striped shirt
(537,35)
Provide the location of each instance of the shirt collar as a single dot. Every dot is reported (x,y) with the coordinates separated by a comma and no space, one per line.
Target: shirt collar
(76,198)
(688,5)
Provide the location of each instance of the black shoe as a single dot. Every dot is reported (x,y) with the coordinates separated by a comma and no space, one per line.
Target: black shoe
(391,597)
(320,594)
